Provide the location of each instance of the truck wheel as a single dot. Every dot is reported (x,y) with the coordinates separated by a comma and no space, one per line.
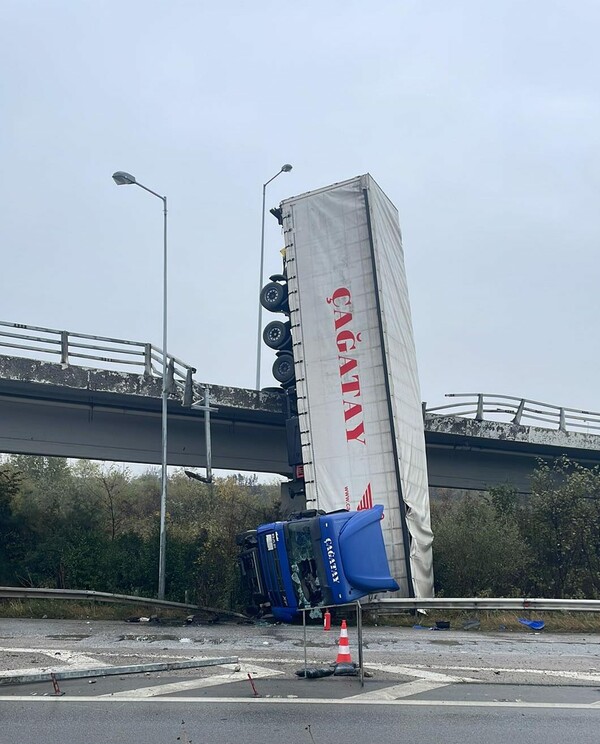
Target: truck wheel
(283,368)
(274,296)
(276,334)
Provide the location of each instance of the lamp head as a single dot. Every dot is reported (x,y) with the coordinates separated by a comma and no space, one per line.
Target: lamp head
(286,168)
(121,178)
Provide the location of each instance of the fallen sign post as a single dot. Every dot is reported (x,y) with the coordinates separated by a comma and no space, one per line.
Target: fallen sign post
(19,679)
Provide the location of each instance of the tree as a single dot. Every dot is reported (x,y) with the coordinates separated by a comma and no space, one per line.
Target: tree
(562,527)
(478,549)
(12,528)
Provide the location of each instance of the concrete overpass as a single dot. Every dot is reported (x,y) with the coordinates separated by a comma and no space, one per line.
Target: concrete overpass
(49,408)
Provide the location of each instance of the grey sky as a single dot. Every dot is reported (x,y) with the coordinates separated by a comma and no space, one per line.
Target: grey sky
(480,120)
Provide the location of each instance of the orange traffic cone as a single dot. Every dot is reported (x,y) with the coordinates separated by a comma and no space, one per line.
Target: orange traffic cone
(343,656)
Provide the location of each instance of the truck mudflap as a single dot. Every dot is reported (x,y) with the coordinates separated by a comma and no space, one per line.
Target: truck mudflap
(366,570)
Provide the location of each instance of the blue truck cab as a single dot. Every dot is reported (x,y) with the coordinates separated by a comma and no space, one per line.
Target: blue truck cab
(315,560)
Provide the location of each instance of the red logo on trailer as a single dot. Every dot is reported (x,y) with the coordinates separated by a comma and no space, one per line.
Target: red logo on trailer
(346,341)
(367,500)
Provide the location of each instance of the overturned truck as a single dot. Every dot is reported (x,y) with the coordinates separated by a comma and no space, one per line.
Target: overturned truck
(346,362)
(315,560)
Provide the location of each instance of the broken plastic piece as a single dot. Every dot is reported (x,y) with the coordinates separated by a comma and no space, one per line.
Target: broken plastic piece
(533,624)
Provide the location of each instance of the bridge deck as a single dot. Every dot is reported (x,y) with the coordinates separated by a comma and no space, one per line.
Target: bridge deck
(51,409)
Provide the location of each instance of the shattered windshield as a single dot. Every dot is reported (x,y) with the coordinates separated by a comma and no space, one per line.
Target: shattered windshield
(303,564)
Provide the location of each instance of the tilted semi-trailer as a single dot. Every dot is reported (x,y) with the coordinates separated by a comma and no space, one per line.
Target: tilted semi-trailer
(347,362)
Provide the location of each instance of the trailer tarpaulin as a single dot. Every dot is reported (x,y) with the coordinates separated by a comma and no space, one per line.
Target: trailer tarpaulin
(356,373)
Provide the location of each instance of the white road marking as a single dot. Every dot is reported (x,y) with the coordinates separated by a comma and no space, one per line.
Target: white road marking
(63,661)
(420,673)
(194,684)
(302,701)
(564,674)
(416,671)
(395,692)
(422,670)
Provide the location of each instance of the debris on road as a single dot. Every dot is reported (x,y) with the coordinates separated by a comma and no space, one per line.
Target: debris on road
(533,624)
(315,672)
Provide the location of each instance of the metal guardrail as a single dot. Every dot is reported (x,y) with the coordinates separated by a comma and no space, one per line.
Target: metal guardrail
(19,592)
(390,605)
(484,406)
(384,605)
(70,346)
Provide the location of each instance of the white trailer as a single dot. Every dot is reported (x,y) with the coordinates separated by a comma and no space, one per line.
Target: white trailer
(357,386)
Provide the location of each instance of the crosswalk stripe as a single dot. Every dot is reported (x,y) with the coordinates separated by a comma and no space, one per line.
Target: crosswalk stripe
(194,684)
(395,692)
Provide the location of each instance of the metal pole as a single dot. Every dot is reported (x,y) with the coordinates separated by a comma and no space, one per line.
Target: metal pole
(284,169)
(207,436)
(360,643)
(121,178)
(165,398)
(304,631)
(260,281)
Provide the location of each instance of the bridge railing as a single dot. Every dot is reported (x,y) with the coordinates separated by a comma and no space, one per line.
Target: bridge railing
(103,350)
(488,406)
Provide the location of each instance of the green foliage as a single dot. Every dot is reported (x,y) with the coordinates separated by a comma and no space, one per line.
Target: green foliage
(12,529)
(563,529)
(87,526)
(547,544)
(478,549)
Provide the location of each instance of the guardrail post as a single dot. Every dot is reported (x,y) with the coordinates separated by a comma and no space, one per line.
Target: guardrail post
(479,414)
(170,381)
(148,359)
(519,413)
(562,426)
(64,348)
(187,392)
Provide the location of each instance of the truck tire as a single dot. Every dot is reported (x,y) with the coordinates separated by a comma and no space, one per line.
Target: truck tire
(277,334)
(274,296)
(283,368)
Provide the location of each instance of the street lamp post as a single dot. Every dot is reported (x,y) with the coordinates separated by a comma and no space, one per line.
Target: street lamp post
(286,168)
(121,178)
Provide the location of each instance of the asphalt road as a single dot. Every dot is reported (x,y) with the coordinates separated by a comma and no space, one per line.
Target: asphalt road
(182,723)
(446,686)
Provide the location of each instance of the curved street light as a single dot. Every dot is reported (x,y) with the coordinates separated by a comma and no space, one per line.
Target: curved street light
(121,178)
(285,168)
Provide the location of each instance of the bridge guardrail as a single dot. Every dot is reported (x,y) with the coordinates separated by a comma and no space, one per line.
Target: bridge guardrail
(484,406)
(70,346)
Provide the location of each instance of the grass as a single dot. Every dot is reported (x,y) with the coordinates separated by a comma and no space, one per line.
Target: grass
(78,610)
(558,621)
(490,620)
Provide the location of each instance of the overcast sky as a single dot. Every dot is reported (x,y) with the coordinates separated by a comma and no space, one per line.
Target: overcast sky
(480,120)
